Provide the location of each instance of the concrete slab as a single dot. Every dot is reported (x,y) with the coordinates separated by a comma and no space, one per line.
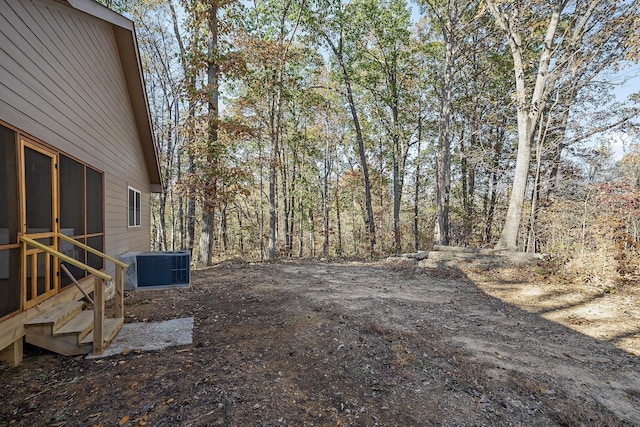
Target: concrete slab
(148,336)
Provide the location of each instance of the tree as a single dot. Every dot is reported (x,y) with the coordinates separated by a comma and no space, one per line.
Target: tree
(275,66)
(510,18)
(546,34)
(452,18)
(482,119)
(190,84)
(216,178)
(331,20)
(213,106)
(388,71)
(330,105)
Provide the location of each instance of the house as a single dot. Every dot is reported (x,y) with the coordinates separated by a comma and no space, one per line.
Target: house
(77,167)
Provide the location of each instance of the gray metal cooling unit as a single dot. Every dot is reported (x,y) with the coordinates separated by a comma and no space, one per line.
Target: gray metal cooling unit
(171,268)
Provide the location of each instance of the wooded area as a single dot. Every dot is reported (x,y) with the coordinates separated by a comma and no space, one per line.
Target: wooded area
(325,128)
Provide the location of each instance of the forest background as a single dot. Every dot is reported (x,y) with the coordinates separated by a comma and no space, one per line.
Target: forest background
(363,128)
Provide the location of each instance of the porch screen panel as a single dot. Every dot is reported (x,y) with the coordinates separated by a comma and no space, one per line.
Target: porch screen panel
(72,214)
(8,187)
(76,253)
(72,196)
(38,181)
(9,281)
(96,242)
(94,202)
(9,250)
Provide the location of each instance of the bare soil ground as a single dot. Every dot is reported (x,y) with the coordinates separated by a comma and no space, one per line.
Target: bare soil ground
(311,343)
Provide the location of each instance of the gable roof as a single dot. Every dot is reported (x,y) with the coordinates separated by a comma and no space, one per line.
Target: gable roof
(127,43)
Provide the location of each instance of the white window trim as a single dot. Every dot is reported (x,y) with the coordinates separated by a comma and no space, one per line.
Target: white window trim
(137,208)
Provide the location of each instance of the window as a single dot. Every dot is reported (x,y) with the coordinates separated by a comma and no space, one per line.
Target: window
(134,207)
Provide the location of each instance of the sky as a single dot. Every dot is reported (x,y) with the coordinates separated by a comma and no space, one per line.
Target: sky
(620,141)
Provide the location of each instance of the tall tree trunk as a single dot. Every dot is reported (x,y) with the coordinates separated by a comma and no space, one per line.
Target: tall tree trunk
(292,203)
(532,245)
(464,172)
(339,249)
(206,239)
(261,204)
(273,174)
(443,157)
(397,193)
(491,187)
(181,237)
(240,231)
(162,224)
(468,184)
(191,202)
(213,77)
(300,231)
(486,229)
(224,229)
(166,179)
(181,242)
(287,207)
(416,194)
(288,196)
(312,234)
(529,110)
(397,159)
(325,197)
(275,131)
(361,150)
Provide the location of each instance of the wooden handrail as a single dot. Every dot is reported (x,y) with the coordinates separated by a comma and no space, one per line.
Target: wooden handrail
(98,288)
(66,258)
(120,267)
(90,249)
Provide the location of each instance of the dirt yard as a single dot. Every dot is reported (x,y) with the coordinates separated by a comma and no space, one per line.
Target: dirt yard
(355,344)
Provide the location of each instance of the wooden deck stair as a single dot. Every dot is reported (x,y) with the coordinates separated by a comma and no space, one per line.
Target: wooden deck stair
(67,329)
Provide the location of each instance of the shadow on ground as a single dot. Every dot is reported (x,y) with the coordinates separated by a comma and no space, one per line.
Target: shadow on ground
(317,343)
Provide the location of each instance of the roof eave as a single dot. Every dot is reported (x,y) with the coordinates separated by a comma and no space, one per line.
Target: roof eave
(127,43)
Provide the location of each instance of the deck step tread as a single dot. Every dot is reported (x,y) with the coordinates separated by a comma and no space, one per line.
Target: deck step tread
(111,328)
(80,325)
(57,315)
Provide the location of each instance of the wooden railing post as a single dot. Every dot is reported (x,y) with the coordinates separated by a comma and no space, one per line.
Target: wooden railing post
(99,284)
(98,317)
(119,298)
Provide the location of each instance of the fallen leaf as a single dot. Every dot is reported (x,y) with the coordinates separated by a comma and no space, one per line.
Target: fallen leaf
(142,421)
(169,400)
(123,420)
